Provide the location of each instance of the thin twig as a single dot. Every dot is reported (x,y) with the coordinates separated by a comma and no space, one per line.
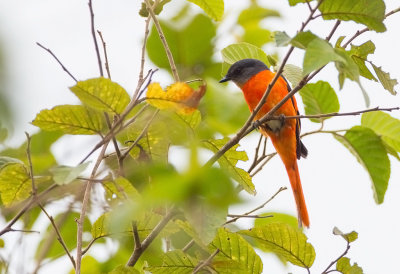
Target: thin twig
(96,46)
(144,131)
(359,32)
(85,203)
(333,30)
(58,61)
(341,256)
(257,208)
(116,148)
(142,60)
(149,239)
(27,206)
(334,114)
(59,237)
(28,155)
(262,164)
(249,216)
(106,63)
(164,41)
(188,245)
(118,123)
(206,262)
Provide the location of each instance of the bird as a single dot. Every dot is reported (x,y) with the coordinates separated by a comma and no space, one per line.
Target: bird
(252,76)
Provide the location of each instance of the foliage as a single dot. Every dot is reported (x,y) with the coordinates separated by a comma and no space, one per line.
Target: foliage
(166,218)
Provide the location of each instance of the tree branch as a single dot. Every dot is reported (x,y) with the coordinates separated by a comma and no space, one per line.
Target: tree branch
(58,61)
(96,46)
(163,40)
(106,64)
(59,237)
(257,208)
(206,262)
(359,32)
(149,239)
(85,203)
(27,206)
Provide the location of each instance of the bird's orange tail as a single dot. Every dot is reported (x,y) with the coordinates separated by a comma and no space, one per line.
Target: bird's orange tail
(294,178)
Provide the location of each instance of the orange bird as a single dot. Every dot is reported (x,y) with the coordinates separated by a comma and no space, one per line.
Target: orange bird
(253,77)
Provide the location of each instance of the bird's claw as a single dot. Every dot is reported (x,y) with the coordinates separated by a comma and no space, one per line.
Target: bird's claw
(282,119)
(256,124)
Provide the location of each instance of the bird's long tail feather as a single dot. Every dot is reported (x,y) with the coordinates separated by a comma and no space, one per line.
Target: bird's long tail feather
(294,178)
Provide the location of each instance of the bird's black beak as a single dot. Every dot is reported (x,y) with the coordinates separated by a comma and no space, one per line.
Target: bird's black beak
(225,79)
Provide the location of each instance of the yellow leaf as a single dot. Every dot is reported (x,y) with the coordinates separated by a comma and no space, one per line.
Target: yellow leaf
(178,96)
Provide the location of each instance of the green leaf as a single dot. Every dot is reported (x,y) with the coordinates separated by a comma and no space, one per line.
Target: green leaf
(276,218)
(190,231)
(213,8)
(67,226)
(302,39)
(232,247)
(256,35)
(102,94)
(295,2)
(385,126)
(119,190)
(368,12)
(370,152)
(319,53)
(343,265)
(359,54)
(175,262)
(293,74)
(205,224)
(192,120)
(101,227)
(287,242)
(226,110)
(70,120)
(319,98)
(254,14)
(282,39)
(15,184)
(236,52)
(63,175)
(122,269)
(157,10)
(384,77)
(349,237)
(4,161)
(190,62)
(229,160)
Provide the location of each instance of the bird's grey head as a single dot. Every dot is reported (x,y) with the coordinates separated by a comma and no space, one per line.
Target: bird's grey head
(241,71)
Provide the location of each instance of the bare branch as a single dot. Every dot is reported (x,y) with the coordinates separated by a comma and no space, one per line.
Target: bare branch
(341,256)
(149,239)
(96,46)
(249,216)
(85,203)
(106,63)
(257,208)
(28,155)
(59,237)
(206,262)
(144,131)
(359,32)
(27,206)
(163,40)
(58,61)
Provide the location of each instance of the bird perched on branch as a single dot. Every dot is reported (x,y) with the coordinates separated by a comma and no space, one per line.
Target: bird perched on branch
(253,77)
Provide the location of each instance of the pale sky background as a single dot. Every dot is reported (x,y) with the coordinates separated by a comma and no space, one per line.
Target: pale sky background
(337,188)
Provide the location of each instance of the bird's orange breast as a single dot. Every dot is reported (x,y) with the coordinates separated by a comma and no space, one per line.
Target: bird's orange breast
(255,88)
